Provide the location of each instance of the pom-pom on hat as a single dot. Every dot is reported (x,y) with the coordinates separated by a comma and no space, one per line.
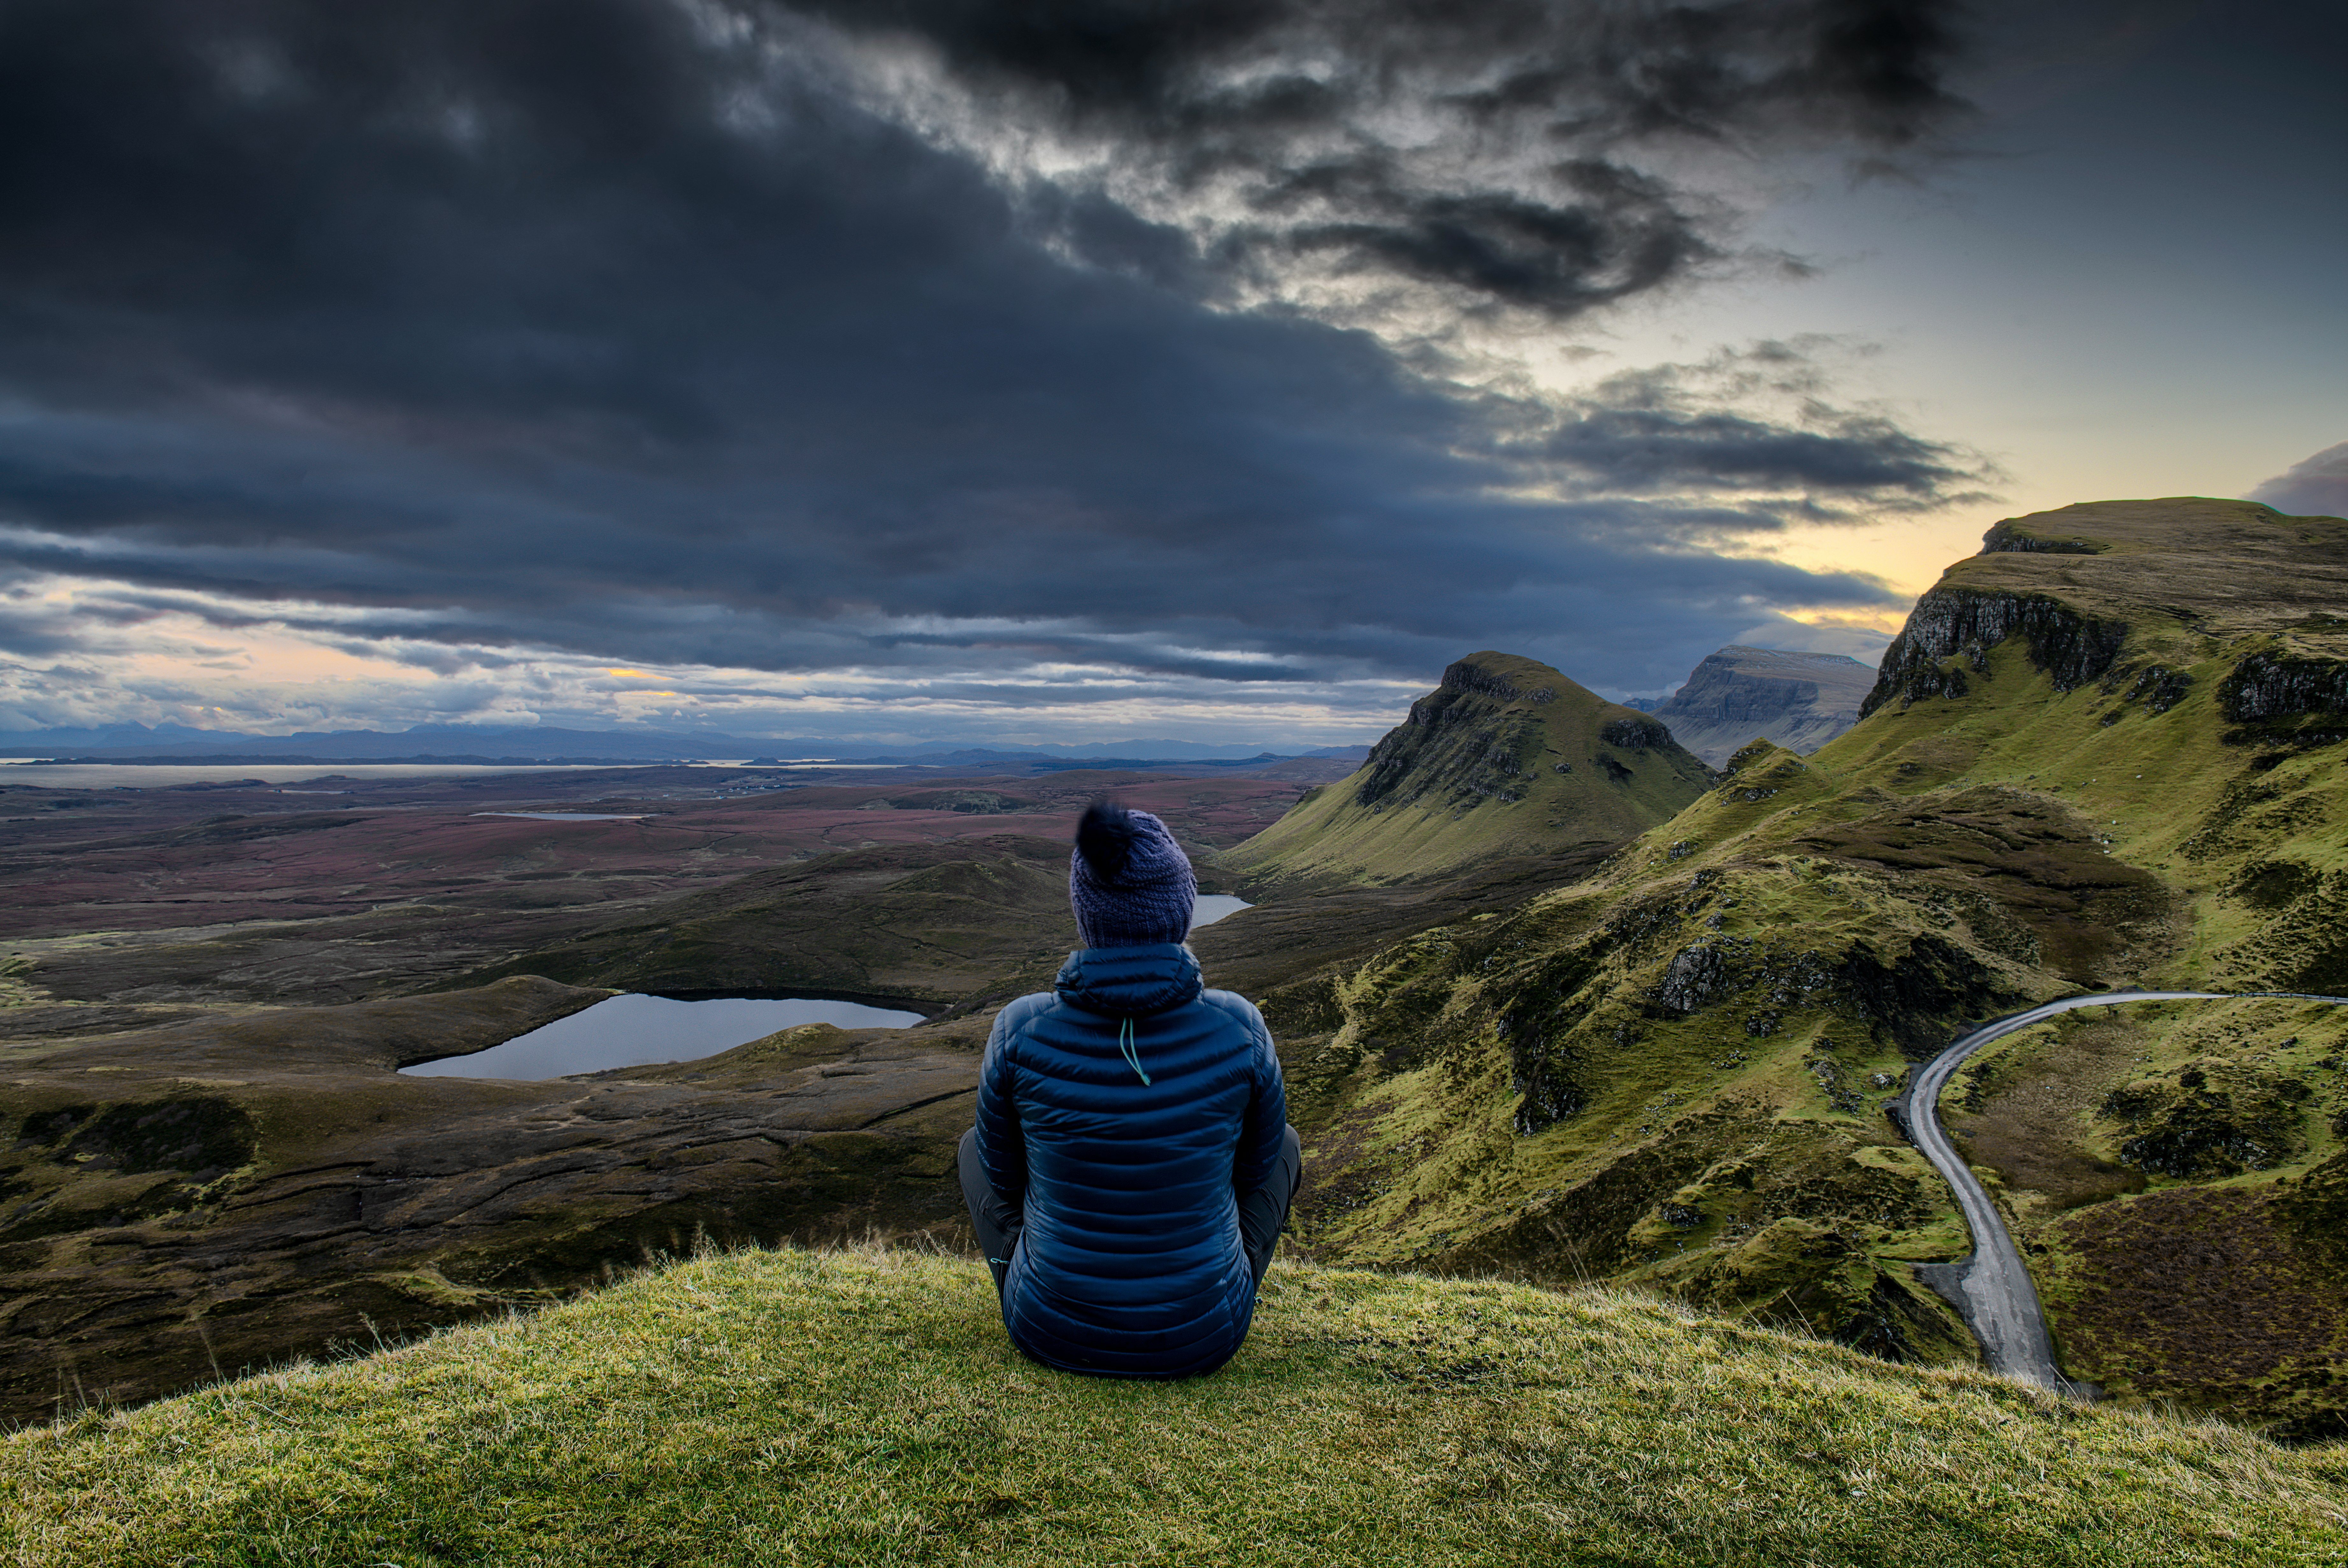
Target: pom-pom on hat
(1129,881)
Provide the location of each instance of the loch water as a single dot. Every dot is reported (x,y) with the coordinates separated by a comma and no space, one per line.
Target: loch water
(634,1031)
(1215,906)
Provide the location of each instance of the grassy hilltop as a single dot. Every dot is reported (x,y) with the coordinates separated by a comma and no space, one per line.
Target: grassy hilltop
(824,1407)
(2105,753)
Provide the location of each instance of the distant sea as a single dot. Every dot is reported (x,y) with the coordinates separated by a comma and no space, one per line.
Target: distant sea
(142,776)
(102,776)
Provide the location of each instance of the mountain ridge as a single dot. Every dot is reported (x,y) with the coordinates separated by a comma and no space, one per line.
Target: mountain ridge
(2103,767)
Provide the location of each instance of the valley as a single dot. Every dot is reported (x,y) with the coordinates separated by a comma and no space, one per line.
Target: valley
(1555,998)
(211,1159)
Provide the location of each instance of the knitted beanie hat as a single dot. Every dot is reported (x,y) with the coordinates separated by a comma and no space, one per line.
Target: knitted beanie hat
(1129,881)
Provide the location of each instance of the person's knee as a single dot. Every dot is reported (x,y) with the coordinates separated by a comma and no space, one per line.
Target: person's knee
(978,1192)
(968,1167)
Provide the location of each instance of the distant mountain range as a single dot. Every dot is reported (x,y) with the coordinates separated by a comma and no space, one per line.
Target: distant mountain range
(1800,700)
(171,743)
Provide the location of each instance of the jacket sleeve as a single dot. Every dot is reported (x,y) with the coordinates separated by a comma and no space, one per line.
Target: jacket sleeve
(1001,1147)
(1266,1122)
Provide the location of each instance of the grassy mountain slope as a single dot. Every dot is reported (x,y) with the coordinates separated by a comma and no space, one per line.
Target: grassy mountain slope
(2101,754)
(1505,756)
(833,1408)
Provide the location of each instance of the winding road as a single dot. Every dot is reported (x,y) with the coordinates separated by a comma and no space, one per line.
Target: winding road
(1991,1288)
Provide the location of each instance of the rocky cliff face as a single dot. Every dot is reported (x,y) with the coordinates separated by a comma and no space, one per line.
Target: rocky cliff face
(1800,700)
(1947,623)
(2277,697)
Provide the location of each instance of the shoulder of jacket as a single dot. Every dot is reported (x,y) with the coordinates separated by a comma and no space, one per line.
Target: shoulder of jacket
(1233,1006)
(1027,1007)
(1016,1015)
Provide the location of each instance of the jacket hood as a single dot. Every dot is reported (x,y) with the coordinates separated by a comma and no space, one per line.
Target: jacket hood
(1130,982)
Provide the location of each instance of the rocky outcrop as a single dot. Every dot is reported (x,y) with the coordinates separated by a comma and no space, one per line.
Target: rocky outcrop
(1496,756)
(1697,977)
(1482,757)
(2010,538)
(1953,623)
(2213,1118)
(2157,686)
(1916,998)
(2277,697)
(1543,1070)
(1909,999)
(1467,676)
(1636,733)
(1800,700)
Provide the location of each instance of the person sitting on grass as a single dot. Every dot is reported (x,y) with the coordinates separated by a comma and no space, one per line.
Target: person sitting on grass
(1132,1163)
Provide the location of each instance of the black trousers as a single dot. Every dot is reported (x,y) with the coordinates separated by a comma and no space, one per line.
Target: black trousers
(1261,1211)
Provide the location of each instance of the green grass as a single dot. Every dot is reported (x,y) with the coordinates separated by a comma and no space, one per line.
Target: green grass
(864,1407)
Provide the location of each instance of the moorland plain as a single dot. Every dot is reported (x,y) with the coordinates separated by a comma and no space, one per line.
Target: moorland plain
(211,1161)
(267,893)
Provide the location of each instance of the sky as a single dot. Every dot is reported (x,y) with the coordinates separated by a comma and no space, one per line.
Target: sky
(919,370)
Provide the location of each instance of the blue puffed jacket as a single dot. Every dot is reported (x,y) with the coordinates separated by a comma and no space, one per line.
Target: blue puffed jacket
(1125,1112)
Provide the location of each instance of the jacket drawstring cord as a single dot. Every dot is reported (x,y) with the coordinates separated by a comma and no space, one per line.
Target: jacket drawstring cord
(1132,1054)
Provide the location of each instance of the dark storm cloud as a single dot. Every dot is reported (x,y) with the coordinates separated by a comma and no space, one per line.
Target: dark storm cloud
(1317,113)
(1691,430)
(1624,235)
(1662,449)
(619,327)
(1869,67)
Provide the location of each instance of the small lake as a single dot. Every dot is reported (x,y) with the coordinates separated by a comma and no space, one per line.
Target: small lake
(1214,906)
(634,1031)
